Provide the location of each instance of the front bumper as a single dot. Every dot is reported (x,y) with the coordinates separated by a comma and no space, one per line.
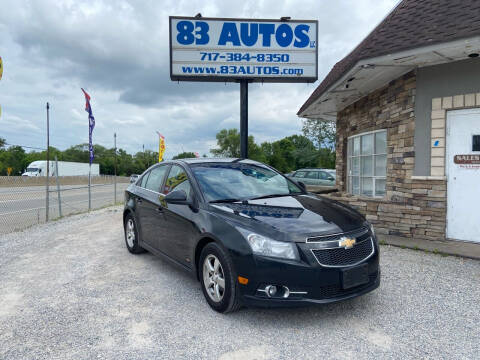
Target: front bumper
(307,281)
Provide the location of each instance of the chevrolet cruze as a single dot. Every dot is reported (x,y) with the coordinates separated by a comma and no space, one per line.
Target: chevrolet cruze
(250,235)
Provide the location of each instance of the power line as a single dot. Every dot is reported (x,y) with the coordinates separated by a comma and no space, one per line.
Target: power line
(24,146)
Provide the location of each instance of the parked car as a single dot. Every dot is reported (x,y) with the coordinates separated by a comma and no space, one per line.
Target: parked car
(134,178)
(314,179)
(250,235)
(332,172)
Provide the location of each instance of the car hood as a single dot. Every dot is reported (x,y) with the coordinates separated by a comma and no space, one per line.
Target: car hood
(294,217)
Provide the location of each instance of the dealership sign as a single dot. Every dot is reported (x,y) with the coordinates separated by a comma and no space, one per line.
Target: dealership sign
(211,49)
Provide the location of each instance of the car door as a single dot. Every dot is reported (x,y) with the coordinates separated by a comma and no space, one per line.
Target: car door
(180,230)
(327,179)
(151,216)
(312,178)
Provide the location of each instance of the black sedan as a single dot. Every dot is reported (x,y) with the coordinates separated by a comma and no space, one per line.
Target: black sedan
(250,235)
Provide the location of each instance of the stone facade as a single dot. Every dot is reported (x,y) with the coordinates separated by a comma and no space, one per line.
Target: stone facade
(413,207)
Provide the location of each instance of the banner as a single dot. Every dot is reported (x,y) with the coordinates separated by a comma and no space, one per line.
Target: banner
(161,146)
(91,125)
(1,68)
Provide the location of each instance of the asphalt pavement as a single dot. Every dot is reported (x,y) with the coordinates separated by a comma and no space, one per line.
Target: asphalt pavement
(70,290)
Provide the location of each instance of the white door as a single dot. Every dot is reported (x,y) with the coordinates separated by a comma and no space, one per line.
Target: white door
(463,180)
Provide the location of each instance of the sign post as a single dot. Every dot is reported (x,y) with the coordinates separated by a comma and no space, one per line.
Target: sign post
(243,50)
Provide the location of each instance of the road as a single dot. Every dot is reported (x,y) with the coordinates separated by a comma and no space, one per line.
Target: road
(21,207)
(70,290)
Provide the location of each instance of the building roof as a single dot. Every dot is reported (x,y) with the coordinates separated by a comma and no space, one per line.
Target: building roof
(411,24)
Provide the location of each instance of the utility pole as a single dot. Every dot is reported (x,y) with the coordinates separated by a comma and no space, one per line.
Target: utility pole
(115,169)
(48,162)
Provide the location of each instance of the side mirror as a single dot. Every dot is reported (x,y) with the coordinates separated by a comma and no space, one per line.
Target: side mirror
(302,185)
(178,197)
(331,178)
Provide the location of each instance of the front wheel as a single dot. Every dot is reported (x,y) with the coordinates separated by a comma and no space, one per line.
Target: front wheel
(218,279)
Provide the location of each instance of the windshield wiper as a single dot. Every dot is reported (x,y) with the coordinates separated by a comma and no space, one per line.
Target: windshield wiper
(272,196)
(225,201)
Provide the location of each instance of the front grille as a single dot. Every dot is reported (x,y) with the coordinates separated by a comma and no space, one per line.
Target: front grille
(336,290)
(355,233)
(339,256)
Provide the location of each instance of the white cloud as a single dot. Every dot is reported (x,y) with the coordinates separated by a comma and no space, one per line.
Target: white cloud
(118,51)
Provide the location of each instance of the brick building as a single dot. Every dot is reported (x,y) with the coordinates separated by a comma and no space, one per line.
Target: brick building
(406,102)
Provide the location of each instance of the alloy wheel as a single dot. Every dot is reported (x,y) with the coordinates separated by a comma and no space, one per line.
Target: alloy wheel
(213,278)
(130,232)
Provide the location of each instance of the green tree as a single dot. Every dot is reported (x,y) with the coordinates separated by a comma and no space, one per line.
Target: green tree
(13,157)
(228,142)
(184,155)
(320,132)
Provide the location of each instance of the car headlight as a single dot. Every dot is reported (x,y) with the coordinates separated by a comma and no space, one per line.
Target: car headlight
(372,229)
(265,246)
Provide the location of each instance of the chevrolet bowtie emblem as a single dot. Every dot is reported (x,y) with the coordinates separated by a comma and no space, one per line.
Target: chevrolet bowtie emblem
(346,243)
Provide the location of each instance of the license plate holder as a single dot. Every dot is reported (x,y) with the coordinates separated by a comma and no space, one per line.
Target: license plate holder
(355,276)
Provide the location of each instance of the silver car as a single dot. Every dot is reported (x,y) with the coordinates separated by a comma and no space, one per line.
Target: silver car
(315,179)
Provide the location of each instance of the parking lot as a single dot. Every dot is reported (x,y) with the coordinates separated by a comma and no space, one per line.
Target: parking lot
(70,290)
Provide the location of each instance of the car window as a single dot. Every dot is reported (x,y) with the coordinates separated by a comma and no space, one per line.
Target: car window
(312,175)
(177,180)
(300,174)
(144,179)
(220,181)
(156,177)
(323,175)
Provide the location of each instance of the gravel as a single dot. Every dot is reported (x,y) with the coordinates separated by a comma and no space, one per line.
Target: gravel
(70,290)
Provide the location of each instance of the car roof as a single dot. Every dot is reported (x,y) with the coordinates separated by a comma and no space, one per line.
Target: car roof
(312,169)
(191,161)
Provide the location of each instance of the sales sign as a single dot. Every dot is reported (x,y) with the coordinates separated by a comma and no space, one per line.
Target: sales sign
(214,49)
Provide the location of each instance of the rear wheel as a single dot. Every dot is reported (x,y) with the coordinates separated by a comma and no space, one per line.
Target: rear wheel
(131,235)
(218,279)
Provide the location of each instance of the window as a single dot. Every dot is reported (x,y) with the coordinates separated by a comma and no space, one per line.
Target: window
(241,181)
(476,143)
(155,179)
(312,175)
(143,183)
(300,174)
(367,164)
(177,180)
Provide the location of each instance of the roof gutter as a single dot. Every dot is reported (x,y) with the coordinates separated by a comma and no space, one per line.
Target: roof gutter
(388,61)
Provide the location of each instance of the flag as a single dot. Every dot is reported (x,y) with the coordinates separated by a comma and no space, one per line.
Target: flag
(91,125)
(161,146)
(197,155)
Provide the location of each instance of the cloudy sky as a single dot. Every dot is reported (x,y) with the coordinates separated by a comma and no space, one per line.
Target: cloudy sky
(118,51)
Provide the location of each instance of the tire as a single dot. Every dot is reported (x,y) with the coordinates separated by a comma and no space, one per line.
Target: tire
(229,300)
(131,242)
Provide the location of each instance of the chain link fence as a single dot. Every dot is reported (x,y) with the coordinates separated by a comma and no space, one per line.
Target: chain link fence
(23,199)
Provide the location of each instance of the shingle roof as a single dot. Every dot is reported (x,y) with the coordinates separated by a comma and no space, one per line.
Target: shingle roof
(412,24)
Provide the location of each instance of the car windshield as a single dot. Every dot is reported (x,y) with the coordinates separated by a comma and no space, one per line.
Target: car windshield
(239,181)
(32,169)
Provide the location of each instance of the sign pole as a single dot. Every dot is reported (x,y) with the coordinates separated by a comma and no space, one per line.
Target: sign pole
(115,170)
(244,119)
(48,162)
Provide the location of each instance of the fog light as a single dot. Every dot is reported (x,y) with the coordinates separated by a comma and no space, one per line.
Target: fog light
(271,290)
